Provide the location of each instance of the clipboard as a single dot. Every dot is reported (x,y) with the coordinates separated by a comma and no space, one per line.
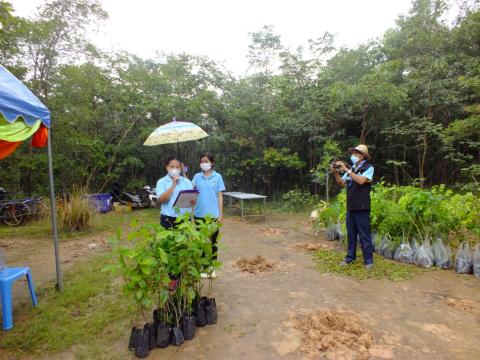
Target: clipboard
(184,198)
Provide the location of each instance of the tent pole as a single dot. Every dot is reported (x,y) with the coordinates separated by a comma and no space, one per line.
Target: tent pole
(54,214)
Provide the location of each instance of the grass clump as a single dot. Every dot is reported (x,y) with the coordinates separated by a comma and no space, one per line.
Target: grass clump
(76,211)
(91,302)
(328,261)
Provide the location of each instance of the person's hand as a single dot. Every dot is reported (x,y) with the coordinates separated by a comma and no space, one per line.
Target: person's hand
(333,170)
(343,167)
(193,202)
(175,179)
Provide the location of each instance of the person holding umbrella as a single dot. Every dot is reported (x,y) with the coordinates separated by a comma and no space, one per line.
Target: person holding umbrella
(210,199)
(358,181)
(167,191)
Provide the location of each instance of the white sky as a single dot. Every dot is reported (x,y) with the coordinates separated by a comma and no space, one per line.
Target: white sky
(219,28)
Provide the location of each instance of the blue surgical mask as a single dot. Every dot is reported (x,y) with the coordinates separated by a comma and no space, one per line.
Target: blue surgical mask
(354,159)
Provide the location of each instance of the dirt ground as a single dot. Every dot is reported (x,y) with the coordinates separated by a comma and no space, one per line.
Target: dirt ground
(434,316)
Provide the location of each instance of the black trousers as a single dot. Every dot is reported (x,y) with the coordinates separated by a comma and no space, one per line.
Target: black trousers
(168,222)
(213,240)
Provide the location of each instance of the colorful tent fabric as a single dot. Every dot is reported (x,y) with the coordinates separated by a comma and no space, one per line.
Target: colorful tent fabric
(7,148)
(22,115)
(17,131)
(17,101)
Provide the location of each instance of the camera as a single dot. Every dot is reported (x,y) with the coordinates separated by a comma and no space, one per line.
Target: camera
(335,166)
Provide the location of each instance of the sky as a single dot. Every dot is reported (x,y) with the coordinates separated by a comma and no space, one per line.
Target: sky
(220,29)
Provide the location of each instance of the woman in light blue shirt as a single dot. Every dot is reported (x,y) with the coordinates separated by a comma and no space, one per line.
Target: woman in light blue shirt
(167,191)
(210,185)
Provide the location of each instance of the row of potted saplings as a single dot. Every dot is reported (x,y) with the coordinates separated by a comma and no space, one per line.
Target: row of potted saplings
(173,323)
(426,254)
(161,269)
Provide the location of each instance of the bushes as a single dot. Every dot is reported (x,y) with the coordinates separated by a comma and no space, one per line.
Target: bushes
(407,212)
(297,200)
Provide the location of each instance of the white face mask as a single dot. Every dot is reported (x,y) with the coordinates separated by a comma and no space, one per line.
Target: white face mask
(174,172)
(205,166)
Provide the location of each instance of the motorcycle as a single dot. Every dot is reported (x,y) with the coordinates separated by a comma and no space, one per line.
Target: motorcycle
(16,212)
(144,198)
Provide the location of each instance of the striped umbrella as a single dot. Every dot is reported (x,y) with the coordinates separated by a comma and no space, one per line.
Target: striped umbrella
(175,132)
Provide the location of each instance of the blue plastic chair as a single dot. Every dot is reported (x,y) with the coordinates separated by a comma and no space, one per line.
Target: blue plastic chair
(7,277)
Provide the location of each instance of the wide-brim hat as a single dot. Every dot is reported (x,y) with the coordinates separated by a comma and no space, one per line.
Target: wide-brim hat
(363,149)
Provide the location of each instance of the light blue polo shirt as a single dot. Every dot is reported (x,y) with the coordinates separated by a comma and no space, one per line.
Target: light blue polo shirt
(367,173)
(163,185)
(209,187)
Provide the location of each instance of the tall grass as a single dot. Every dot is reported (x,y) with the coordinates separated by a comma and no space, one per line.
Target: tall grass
(76,211)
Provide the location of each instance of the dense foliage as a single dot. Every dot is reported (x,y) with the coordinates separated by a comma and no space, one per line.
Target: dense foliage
(413,96)
(407,212)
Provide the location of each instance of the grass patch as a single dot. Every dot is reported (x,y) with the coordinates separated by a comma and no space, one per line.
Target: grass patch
(106,222)
(327,261)
(91,302)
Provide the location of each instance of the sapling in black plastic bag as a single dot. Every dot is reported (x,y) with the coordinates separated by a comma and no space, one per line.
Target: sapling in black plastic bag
(476,261)
(404,253)
(442,255)
(464,259)
(424,256)
(199,313)
(142,344)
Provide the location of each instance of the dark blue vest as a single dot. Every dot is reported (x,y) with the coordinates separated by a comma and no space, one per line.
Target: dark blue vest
(358,196)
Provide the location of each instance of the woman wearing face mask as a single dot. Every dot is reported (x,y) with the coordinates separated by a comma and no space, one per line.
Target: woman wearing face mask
(167,190)
(210,199)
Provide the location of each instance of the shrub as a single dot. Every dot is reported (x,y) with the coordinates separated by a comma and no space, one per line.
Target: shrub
(76,211)
(297,200)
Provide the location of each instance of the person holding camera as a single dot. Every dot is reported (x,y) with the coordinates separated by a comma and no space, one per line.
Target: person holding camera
(358,181)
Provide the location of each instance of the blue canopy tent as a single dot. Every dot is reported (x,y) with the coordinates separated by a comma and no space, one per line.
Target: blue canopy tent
(23,115)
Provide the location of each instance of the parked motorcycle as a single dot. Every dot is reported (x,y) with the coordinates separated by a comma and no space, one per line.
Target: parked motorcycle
(144,198)
(16,211)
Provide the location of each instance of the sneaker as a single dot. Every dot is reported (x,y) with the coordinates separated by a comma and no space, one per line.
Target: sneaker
(368,267)
(343,263)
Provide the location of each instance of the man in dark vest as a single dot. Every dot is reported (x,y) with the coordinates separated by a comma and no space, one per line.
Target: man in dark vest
(358,181)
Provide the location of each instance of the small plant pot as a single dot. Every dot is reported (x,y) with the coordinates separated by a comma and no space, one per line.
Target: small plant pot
(142,346)
(211,311)
(177,338)
(200,314)
(189,323)
(131,341)
(156,321)
(164,334)
(152,339)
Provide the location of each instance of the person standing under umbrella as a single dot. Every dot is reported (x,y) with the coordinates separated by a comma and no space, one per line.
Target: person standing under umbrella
(167,191)
(210,199)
